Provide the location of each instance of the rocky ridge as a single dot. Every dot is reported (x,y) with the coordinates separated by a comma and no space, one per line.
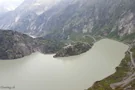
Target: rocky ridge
(73,49)
(15,45)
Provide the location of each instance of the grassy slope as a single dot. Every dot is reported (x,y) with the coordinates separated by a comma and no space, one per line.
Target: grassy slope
(121,72)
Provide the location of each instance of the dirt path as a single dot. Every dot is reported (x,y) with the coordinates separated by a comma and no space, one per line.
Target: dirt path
(92,38)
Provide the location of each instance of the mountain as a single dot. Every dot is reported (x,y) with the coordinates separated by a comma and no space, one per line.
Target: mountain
(36,6)
(31,16)
(22,17)
(109,18)
(15,45)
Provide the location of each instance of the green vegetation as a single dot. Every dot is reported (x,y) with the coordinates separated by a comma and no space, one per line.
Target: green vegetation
(74,49)
(120,73)
(128,38)
(132,85)
(79,37)
(50,45)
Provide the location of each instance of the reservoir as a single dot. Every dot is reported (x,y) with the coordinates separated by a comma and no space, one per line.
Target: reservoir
(43,72)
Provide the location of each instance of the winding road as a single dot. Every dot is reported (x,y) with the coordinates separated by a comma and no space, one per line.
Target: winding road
(92,38)
(130,78)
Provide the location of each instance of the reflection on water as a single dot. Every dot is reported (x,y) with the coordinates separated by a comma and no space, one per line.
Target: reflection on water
(43,72)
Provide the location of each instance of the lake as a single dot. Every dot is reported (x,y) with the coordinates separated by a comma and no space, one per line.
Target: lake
(43,72)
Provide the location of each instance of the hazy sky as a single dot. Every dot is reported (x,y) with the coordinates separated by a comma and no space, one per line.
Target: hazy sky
(10,4)
(11,1)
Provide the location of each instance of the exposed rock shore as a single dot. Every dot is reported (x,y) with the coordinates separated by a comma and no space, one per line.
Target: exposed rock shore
(15,45)
(75,49)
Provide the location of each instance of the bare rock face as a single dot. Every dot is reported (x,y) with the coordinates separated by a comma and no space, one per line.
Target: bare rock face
(71,50)
(15,45)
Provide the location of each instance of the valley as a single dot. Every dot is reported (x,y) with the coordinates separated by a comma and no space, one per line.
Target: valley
(70,30)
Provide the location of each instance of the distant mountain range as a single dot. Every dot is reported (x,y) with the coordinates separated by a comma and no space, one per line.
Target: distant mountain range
(22,17)
(109,18)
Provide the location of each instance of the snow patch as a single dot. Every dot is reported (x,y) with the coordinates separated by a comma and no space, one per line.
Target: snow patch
(36,4)
(17,18)
(39,12)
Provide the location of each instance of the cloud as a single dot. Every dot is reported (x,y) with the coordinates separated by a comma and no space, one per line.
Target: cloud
(10,4)
(11,1)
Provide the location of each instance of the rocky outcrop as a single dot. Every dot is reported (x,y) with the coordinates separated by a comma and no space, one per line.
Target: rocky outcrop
(75,49)
(15,45)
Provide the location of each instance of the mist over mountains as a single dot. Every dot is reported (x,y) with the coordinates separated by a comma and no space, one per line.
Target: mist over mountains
(6,5)
(114,18)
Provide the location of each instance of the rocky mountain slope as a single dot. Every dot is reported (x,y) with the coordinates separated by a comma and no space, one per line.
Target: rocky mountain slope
(109,18)
(16,45)
(23,16)
(73,49)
